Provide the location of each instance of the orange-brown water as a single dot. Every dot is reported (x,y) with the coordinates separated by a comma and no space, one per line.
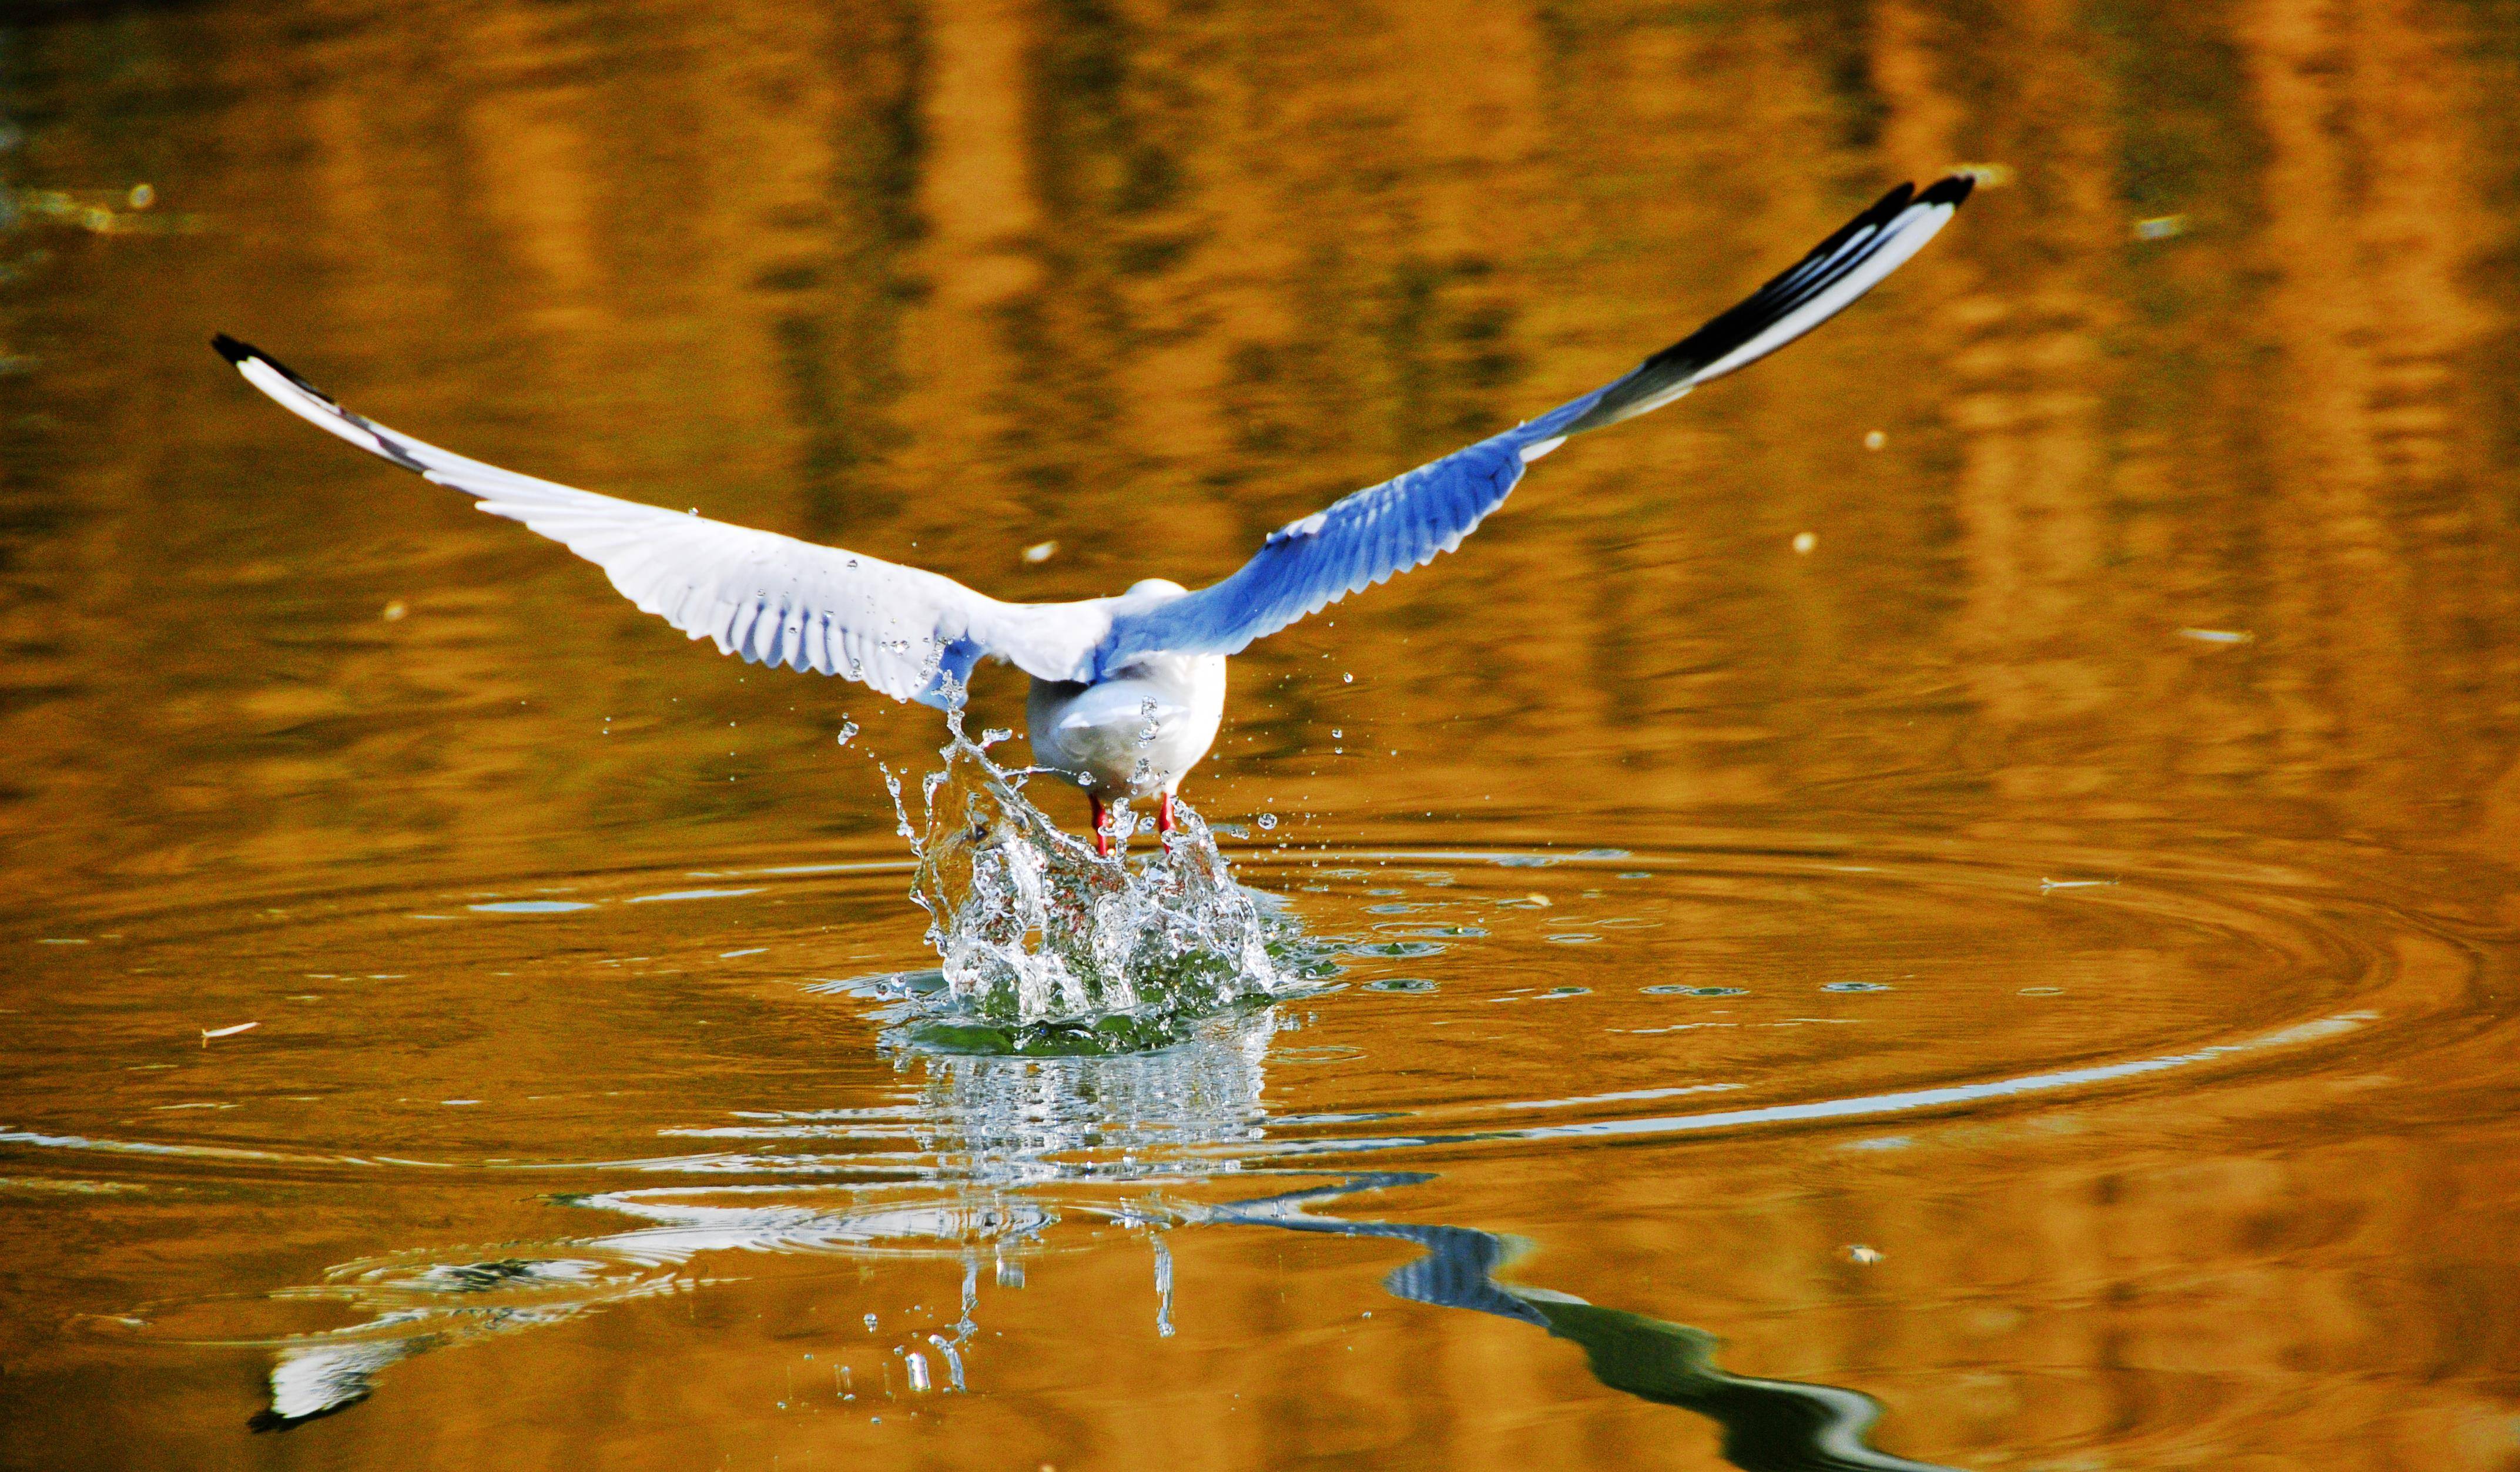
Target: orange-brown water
(1694,894)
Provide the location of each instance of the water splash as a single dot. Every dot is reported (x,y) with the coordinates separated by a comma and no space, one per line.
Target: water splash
(1048,948)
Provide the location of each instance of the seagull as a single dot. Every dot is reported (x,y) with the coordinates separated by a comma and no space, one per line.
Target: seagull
(1127,692)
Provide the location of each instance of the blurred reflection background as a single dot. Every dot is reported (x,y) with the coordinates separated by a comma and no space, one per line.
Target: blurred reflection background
(2164,507)
(978,277)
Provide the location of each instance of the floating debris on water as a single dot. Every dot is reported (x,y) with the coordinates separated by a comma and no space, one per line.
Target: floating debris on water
(209,1033)
(1875,439)
(1860,1254)
(1804,541)
(396,610)
(2218,635)
(2161,227)
(2048,884)
(110,211)
(1041,551)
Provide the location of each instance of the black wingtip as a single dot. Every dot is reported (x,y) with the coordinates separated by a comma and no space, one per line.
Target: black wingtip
(237,352)
(1951,189)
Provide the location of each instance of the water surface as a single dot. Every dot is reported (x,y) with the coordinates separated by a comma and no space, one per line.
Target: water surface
(2024,982)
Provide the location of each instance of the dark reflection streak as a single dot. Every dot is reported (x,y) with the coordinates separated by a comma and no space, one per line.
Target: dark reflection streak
(1091,167)
(838,345)
(1769,1425)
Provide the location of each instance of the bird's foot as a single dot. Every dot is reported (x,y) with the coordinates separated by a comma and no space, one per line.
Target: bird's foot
(1102,827)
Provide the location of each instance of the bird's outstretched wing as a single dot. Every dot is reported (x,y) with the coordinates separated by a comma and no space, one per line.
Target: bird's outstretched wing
(773,600)
(1366,537)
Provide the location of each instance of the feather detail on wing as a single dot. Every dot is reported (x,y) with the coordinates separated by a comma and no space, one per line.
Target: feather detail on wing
(770,598)
(1365,538)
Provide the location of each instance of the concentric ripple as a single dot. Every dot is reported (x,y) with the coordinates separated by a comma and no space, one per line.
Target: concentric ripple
(710,1061)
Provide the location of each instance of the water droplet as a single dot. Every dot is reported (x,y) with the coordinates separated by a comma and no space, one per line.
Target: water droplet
(1347,679)
(870,1324)
(917,1372)
(1335,732)
(853,561)
(1268,820)
(849,731)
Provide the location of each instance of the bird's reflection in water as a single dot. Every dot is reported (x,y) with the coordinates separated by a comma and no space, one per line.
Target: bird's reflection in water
(1769,1425)
(993,1152)
(999,1150)
(997,1122)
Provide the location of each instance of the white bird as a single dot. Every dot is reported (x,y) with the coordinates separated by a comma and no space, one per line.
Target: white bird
(1127,692)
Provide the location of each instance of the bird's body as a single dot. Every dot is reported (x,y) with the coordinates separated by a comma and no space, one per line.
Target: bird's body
(1132,735)
(1128,691)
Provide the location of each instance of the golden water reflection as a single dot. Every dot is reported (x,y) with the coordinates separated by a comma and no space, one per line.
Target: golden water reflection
(2162,524)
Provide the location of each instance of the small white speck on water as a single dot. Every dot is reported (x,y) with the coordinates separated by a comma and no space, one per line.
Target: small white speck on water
(1875,439)
(1804,541)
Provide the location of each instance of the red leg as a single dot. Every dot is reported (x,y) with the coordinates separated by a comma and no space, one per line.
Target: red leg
(1164,814)
(1101,839)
